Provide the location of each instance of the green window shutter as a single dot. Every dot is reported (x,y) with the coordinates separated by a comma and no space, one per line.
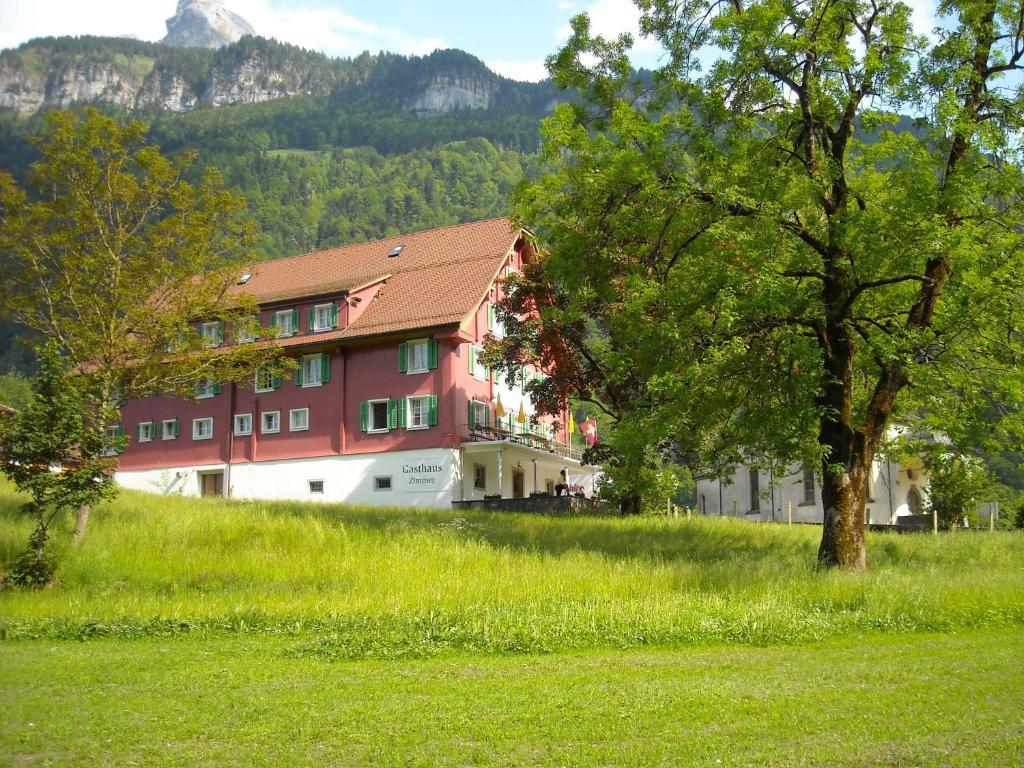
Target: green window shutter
(472,360)
(403,408)
(218,388)
(364,416)
(325,367)
(392,414)
(403,357)
(138,433)
(487,416)
(310,319)
(297,378)
(472,413)
(433,410)
(432,354)
(273,319)
(275,381)
(176,428)
(295,321)
(490,317)
(218,333)
(334,315)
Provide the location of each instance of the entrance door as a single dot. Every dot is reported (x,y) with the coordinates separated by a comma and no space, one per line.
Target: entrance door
(212,483)
(518,483)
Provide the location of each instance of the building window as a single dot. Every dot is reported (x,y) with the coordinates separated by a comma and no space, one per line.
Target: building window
(323,317)
(808,485)
(169,429)
(494,324)
(419,413)
(114,432)
(212,334)
(755,490)
(480,477)
(206,388)
(314,370)
(286,321)
(382,483)
(417,356)
(316,486)
(145,432)
(247,332)
(378,416)
(266,381)
(270,422)
(298,419)
(477,369)
(479,415)
(243,424)
(202,429)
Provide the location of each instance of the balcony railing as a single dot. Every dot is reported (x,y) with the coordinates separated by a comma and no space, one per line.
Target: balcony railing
(476,433)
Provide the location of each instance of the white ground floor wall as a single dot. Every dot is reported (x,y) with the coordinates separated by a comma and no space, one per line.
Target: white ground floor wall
(425,478)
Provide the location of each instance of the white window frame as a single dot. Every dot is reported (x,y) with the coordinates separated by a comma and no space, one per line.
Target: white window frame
(204,389)
(481,413)
(256,382)
(314,362)
(240,432)
(377,484)
(250,334)
(424,401)
(423,344)
(370,429)
(808,490)
(480,477)
(152,431)
(263,423)
(291,419)
(480,372)
(311,490)
(164,425)
(282,319)
(112,434)
(214,339)
(196,427)
(328,326)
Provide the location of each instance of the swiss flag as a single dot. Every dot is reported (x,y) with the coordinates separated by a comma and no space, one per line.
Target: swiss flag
(589,430)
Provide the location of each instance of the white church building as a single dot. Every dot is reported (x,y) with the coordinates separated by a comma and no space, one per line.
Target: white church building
(895,490)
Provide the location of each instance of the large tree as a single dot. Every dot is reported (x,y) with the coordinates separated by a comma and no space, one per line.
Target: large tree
(767,260)
(114,257)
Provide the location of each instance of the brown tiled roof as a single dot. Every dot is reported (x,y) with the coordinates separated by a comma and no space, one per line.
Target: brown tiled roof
(439,278)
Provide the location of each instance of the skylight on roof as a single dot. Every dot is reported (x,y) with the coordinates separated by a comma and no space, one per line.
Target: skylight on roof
(245,278)
(395,251)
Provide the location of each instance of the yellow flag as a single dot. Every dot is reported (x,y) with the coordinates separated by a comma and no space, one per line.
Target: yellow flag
(572,423)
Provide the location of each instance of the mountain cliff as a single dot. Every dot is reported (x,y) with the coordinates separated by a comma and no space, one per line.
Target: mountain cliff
(134,75)
(205,24)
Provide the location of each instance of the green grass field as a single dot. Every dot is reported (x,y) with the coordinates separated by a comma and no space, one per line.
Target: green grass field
(187,631)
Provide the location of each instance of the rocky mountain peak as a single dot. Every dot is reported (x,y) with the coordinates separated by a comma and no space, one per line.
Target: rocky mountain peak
(205,24)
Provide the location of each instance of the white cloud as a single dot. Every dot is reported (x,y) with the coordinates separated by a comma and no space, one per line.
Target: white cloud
(329,30)
(25,20)
(528,71)
(610,18)
(922,16)
(325,29)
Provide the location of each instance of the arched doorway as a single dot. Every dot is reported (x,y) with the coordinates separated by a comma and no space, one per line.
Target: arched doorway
(914,505)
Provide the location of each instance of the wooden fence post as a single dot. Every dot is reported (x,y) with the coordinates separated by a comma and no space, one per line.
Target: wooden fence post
(789,511)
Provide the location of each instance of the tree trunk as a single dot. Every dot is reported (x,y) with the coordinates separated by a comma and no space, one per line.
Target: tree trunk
(80,521)
(630,504)
(843,499)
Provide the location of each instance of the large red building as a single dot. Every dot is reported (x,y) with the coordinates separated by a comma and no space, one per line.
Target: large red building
(388,404)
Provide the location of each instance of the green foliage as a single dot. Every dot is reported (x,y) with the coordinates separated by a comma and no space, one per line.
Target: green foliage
(956,484)
(15,390)
(111,254)
(753,262)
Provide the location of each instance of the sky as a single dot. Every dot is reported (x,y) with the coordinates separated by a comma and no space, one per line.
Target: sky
(511,36)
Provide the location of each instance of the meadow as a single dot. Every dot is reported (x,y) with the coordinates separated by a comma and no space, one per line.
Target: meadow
(197,631)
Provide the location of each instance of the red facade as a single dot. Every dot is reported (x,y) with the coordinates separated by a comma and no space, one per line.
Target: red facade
(359,368)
